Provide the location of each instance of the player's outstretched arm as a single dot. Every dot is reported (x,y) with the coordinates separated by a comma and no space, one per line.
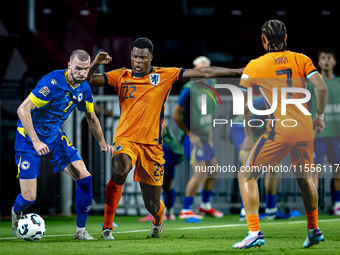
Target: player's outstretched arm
(321,99)
(24,114)
(97,80)
(97,132)
(211,72)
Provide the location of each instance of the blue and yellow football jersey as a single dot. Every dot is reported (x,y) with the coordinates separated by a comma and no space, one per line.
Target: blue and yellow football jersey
(55,99)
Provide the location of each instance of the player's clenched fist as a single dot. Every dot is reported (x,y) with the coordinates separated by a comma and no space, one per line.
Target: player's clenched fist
(107,148)
(41,148)
(102,58)
(318,125)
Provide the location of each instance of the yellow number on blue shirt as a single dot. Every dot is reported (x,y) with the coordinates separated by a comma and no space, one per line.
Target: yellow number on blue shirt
(67,141)
(69,104)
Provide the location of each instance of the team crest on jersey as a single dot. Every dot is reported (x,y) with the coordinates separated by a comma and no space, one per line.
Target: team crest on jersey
(54,81)
(155,79)
(25,165)
(200,153)
(119,147)
(80,97)
(44,91)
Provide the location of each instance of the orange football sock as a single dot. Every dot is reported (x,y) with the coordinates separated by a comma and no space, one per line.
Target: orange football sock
(253,222)
(158,218)
(312,219)
(113,194)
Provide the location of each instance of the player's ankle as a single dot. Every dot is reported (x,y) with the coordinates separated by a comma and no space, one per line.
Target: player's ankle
(270,210)
(310,231)
(254,233)
(80,229)
(186,210)
(206,206)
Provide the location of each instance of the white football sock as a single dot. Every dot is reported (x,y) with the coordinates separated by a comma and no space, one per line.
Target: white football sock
(206,206)
(80,229)
(253,233)
(310,231)
(243,212)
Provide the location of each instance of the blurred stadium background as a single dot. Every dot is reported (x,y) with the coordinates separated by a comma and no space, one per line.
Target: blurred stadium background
(37,37)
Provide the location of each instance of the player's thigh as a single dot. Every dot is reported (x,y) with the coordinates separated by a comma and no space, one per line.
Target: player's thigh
(199,170)
(212,163)
(77,170)
(28,188)
(123,157)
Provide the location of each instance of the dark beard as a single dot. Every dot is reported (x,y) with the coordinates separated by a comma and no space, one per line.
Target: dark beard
(75,80)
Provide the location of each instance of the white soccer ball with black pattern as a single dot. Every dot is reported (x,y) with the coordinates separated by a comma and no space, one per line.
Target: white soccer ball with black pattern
(31,227)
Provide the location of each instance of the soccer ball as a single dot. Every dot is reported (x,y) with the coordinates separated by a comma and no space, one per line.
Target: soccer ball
(31,227)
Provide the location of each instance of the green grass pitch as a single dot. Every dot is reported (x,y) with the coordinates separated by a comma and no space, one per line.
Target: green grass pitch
(211,236)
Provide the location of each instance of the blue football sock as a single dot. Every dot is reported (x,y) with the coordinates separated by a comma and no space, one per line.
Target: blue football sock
(83,200)
(21,204)
(270,201)
(335,196)
(169,198)
(188,201)
(241,203)
(206,194)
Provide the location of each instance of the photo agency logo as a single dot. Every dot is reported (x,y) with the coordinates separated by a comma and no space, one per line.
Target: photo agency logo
(239,108)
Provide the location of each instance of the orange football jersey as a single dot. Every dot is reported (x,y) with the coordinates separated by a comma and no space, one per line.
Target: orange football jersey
(279,69)
(142,102)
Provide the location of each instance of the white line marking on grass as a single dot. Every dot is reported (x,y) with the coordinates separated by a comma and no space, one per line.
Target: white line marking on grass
(189,228)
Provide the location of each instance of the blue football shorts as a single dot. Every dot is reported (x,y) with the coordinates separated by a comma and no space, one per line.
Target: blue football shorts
(196,154)
(28,161)
(329,146)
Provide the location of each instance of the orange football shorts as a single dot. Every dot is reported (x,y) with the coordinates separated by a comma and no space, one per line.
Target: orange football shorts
(268,152)
(148,159)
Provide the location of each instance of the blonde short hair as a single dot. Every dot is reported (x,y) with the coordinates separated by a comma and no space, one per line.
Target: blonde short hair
(201,59)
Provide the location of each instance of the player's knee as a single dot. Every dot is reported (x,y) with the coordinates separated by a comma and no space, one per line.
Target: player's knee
(307,185)
(119,176)
(29,196)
